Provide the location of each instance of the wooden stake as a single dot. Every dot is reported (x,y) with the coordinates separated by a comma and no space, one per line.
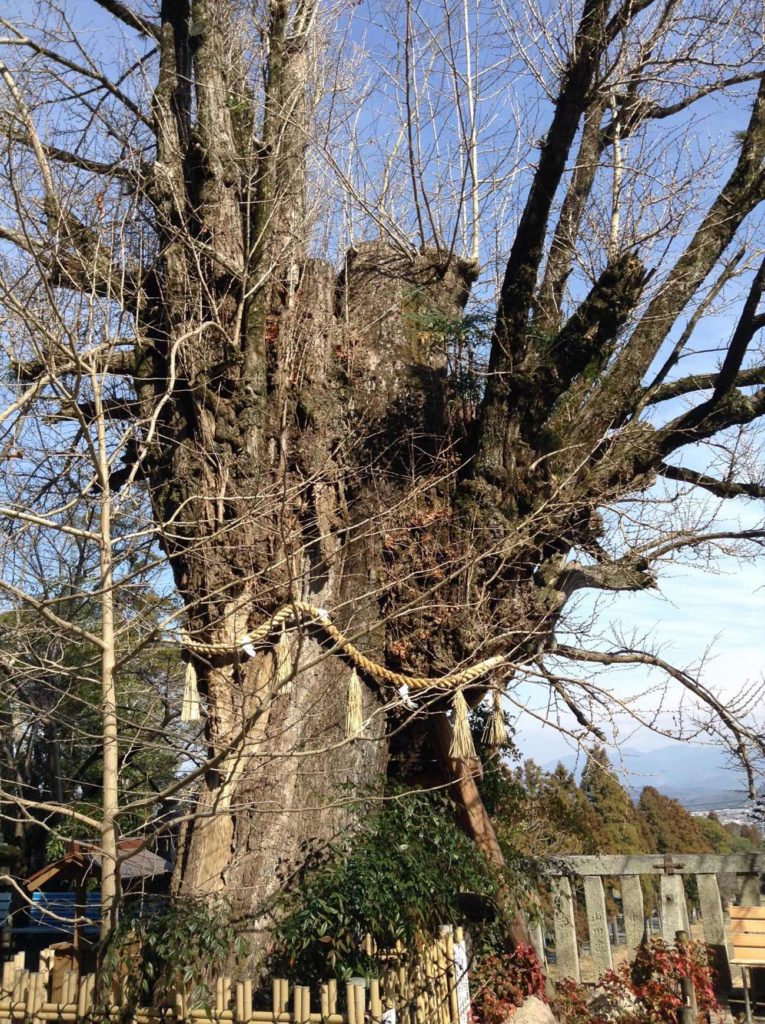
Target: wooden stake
(360,997)
(350,1000)
(375,1003)
(324,999)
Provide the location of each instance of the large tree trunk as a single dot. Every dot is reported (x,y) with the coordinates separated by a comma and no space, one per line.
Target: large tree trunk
(306,520)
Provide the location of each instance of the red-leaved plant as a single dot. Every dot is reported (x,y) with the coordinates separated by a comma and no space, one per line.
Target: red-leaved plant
(646,991)
(501,982)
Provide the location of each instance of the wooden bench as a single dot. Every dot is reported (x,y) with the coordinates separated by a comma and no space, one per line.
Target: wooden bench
(747,928)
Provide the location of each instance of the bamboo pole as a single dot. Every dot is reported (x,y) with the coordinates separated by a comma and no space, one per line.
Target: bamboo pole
(283,999)
(19,984)
(350,1000)
(360,998)
(443,988)
(324,999)
(276,989)
(297,1005)
(375,1003)
(69,1013)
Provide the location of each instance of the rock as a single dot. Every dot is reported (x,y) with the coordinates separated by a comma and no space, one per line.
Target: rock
(612,1007)
(533,1011)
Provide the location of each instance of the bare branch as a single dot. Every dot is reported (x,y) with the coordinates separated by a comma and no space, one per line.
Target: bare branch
(130,18)
(753,375)
(740,733)
(720,488)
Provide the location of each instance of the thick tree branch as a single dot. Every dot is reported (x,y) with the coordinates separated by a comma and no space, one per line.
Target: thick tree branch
(120,363)
(592,145)
(720,488)
(509,338)
(627,574)
(128,17)
(642,110)
(693,321)
(18,239)
(89,412)
(748,325)
(620,388)
(752,376)
(588,338)
(563,245)
(732,410)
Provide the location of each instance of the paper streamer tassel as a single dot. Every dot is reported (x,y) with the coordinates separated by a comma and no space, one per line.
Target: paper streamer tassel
(190,708)
(495,733)
(354,719)
(462,748)
(283,656)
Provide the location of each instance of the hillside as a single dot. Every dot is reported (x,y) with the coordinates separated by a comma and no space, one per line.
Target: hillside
(700,777)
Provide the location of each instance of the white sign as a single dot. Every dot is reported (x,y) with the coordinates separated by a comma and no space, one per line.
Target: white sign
(463,987)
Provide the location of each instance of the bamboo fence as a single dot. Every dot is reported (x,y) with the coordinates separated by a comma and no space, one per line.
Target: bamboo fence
(428,985)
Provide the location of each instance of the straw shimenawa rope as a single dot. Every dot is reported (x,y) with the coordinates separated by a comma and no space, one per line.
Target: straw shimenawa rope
(305,612)
(462,747)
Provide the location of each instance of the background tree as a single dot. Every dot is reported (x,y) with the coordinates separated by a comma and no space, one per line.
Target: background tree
(335,430)
(619,828)
(51,737)
(671,827)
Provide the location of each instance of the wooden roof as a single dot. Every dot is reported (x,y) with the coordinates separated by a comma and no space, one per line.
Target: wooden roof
(84,861)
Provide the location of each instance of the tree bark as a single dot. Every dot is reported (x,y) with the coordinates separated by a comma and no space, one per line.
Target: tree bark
(332,475)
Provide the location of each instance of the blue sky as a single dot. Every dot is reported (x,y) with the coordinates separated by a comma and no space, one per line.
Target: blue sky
(722,615)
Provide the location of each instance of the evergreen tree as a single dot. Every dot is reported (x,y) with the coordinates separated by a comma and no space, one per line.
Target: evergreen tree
(617,824)
(672,828)
(716,834)
(544,813)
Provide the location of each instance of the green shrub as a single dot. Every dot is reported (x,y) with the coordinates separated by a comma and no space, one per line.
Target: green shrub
(399,874)
(182,946)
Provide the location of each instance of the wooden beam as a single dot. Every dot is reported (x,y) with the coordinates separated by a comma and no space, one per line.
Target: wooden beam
(632,908)
(566,948)
(714,931)
(600,944)
(656,864)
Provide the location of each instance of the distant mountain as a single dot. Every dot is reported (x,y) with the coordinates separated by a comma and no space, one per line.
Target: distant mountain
(701,778)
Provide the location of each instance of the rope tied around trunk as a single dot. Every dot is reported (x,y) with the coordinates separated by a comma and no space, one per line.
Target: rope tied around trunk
(304,612)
